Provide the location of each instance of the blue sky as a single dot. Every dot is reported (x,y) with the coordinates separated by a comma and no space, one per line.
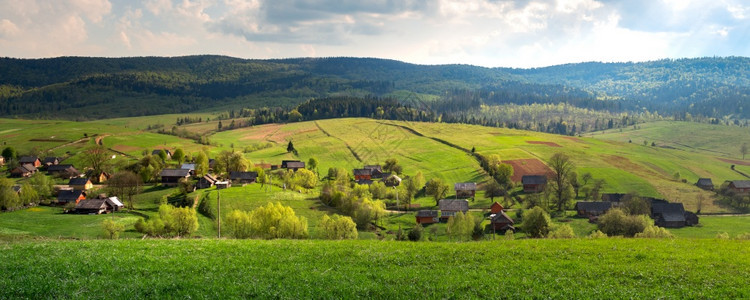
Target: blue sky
(493,33)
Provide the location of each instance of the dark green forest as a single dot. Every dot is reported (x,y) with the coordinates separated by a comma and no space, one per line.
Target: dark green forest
(583,95)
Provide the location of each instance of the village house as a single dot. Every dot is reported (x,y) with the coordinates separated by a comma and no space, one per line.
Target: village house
(496,208)
(670,215)
(588,209)
(2,161)
(220,185)
(392,181)
(100,177)
(705,183)
(24,170)
(360,174)
(189,167)
(50,161)
(465,189)
(613,197)
(243,177)
(533,183)
(375,171)
(450,207)
(33,160)
(80,183)
(114,203)
(293,165)
(171,177)
(364,181)
(427,216)
(91,206)
(740,186)
(501,222)
(63,171)
(206,181)
(156,153)
(67,196)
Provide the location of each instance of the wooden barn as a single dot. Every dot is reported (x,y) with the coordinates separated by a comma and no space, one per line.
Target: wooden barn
(450,207)
(533,183)
(91,206)
(33,160)
(293,165)
(50,161)
(496,208)
(705,183)
(375,171)
(427,216)
(206,181)
(740,186)
(588,209)
(670,215)
(243,177)
(465,189)
(67,196)
(24,170)
(501,222)
(80,183)
(171,177)
(360,174)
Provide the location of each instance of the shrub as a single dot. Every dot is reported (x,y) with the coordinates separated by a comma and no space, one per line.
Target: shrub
(536,222)
(616,222)
(510,235)
(597,234)
(722,236)
(562,232)
(152,227)
(461,226)
(238,224)
(744,236)
(652,231)
(339,227)
(112,229)
(269,222)
(416,233)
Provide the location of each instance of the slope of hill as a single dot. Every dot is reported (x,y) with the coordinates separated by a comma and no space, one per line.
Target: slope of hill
(91,88)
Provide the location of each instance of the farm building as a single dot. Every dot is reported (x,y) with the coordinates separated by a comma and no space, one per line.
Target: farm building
(156,153)
(206,181)
(243,177)
(533,183)
(66,196)
(171,177)
(220,185)
(501,222)
(364,181)
(24,170)
(2,161)
(740,186)
(63,171)
(465,189)
(375,171)
(705,183)
(190,167)
(91,206)
(114,203)
(496,208)
(293,165)
(50,161)
(392,181)
(360,174)
(613,197)
(588,209)
(449,207)
(427,216)
(100,177)
(80,183)
(33,160)
(671,215)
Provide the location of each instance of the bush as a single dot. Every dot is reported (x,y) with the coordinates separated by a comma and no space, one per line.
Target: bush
(272,221)
(416,233)
(510,235)
(722,236)
(536,222)
(652,231)
(562,232)
(206,207)
(461,226)
(597,234)
(339,227)
(744,236)
(112,229)
(238,224)
(152,227)
(616,222)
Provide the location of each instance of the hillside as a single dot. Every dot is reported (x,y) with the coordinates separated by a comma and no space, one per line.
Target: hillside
(609,268)
(80,88)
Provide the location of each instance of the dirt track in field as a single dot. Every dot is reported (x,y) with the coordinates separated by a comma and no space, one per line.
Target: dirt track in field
(528,166)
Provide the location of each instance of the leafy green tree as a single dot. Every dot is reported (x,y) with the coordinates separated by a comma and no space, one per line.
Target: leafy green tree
(391,165)
(42,185)
(378,190)
(231,161)
(616,222)
(112,229)
(180,221)
(415,234)
(201,164)
(460,226)
(162,154)
(10,154)
(151,227)
(312,163)
(492,190)
(339,227)
(503,174)
(306,178)
(178,156)
(238,224)
(97,158)
(28,194)
(634,205)
(562,167)
(295,116)
(536,222)
(8,197)
(275,221)
(368,211)
(437,189)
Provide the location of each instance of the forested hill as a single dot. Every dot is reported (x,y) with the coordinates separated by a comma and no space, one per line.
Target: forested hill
(88,88)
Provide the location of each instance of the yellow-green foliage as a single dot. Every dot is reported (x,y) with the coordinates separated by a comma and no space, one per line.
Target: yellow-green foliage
(510,235)
(562,232)
(652,231)
(597,234)
(536,222)
(152,227)
(368,211)
(744,236)
(180,221)
(112,229)
(722,236)
(616,222)
(461,226)
(339,227)
(305,178)
(272,221)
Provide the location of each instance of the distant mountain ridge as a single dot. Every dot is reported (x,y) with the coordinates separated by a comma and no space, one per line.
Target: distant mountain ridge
(90,87)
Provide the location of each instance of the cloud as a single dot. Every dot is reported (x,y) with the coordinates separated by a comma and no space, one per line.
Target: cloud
(8,28)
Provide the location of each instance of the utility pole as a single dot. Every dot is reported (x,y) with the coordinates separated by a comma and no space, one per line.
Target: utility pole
(218,211)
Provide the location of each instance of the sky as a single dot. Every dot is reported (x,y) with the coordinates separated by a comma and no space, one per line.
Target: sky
(491,33)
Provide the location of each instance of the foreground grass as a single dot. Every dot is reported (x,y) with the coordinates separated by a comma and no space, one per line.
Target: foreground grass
(619,268)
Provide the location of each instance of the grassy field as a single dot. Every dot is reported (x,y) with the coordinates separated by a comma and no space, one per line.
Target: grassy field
(571,269)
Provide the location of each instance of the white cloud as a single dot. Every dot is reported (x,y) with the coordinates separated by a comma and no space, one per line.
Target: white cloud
(8,28)
(94,10)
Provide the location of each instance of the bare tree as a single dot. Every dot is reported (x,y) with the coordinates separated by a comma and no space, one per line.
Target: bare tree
(743,150)
(125,184)
(562,167)
(96,157)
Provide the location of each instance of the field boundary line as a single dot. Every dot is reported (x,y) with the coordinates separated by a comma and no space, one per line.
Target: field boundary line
(354,153)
